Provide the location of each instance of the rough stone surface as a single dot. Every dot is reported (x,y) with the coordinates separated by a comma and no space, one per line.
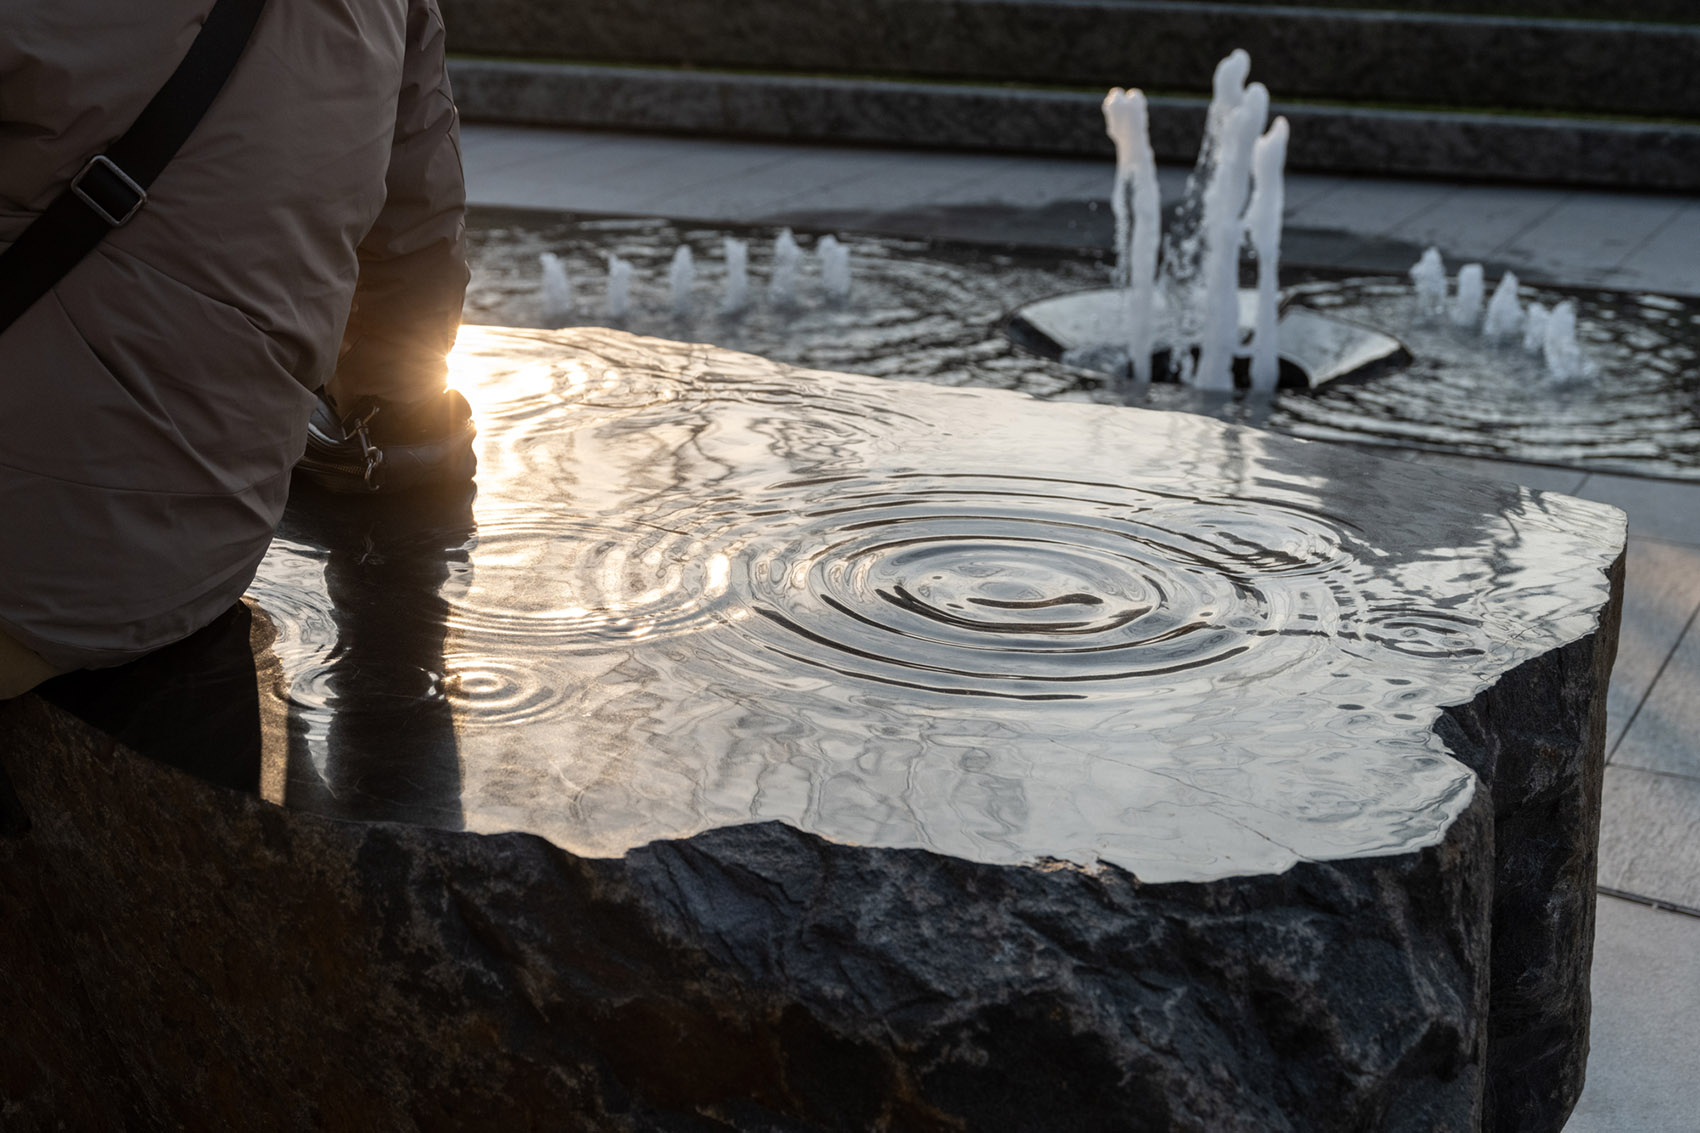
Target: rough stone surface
(1536,738)
(180,954)
(692,875)
(1412,58)
(1576,151)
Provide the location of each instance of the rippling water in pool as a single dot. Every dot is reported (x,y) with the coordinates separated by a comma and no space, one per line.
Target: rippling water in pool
(696,588)
(933,312)
(1638,410)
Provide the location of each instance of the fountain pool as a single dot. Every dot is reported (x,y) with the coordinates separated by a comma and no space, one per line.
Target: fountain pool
(937,312)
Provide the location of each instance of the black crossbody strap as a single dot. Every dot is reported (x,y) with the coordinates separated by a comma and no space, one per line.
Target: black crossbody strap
(113,187)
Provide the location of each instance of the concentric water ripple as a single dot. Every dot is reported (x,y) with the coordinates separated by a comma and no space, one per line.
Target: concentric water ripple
(327,689)
(488,692)
(543,583)
(1011,587)
(941,619)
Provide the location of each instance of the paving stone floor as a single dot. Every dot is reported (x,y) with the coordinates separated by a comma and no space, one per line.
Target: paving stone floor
(1644,1070)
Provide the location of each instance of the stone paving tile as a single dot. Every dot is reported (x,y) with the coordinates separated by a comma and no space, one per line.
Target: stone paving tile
(1036,184)
(1591,235)
(1665,734)
(1477,223)
(882,183)
(761,187)
(1303,188)
(1650,836)
(1370,207)
(1659,509)
(1661,597)
(621,177)
(1646,1023)
(1669,260)
(813,181)
(485,149)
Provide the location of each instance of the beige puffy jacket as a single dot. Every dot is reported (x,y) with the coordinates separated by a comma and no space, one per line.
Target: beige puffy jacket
(152,406)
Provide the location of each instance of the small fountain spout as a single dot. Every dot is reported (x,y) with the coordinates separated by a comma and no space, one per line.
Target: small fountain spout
(557,290)
(737,294)
(834,268)
(787,258)
(619,301)
(1467,303)
(1429,277)
(1505,313)
(681,279)
(1563,354)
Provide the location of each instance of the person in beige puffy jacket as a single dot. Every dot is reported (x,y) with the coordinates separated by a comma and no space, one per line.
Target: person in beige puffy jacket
(309,233)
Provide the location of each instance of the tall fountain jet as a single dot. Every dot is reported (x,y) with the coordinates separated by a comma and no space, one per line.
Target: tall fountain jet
(1183,257)
(1136,203)
(1224,231)
(1201,258)
(1263,222)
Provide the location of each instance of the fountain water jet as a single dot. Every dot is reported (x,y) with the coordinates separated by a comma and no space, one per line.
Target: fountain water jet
(1548,333)
(1505,313)
(557,290)
(787,262)
(834,268)
(1535,327)
(1263,222)
(681,278)
(1195,311)
(1224,230)
(1562,353)
(737,294)
(1428,275)
(619,301)
(1136,202)
(1183,254)
(1467,302)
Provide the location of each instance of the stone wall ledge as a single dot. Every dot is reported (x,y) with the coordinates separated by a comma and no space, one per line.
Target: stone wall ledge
(1422,58)
(1596,153)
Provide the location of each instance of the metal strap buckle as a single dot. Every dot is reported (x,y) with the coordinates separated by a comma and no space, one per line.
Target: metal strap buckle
(371,454)
(123,197)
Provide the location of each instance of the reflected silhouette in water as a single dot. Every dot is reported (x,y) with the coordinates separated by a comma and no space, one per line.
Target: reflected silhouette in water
(367,732)
(370,730)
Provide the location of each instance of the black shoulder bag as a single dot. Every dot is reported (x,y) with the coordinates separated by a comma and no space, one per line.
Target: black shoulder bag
(113,186)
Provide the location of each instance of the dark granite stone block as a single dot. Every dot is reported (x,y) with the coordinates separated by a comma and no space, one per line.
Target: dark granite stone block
(1370,56)
(946,116)
(772,749)
(179,954)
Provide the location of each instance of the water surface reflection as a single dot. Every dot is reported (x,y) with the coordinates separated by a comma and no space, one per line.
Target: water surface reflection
(698,589)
